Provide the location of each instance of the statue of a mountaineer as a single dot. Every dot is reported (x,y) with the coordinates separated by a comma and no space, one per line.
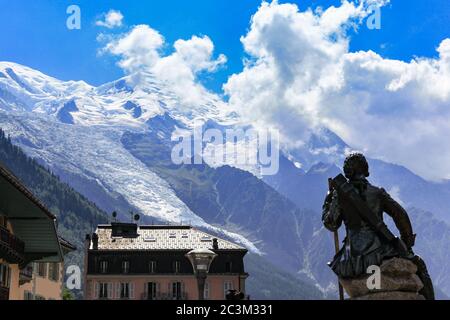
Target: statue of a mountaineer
(360,206)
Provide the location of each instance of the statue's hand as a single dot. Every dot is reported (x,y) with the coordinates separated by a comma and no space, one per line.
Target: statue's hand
(409,240)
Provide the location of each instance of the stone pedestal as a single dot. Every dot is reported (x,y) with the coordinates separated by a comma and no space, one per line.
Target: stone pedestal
(399,281)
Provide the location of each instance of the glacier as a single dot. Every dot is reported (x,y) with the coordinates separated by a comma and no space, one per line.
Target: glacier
(89,145)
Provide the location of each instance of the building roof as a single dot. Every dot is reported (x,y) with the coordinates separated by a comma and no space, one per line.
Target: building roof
(161,238)
(66,245)
(32,222)
(12,179)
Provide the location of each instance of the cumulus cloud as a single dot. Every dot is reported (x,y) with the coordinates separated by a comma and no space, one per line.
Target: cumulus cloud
(140,51)
(301,77)
(111,20)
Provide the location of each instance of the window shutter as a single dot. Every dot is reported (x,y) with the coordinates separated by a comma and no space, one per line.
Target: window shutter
(158,289)
(89,289)
(132,290)
(118,290)
(57,272)
(110,290)
(96,291)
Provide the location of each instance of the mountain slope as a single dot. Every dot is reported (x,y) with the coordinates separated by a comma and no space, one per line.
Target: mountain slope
(76,130)
(77,216)
(231,198)
(112,143)
(277,284)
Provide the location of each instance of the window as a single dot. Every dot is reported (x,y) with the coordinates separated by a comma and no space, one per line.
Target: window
(152,266)
(229,267)
(227,286)
(27,295)
(53,271)
(126,290)
(152,290)
(104,291)
(5,276)
(207,290)
(42,270)
(125,266)
(176,266)
(103,266)
(177,290)
(149,239)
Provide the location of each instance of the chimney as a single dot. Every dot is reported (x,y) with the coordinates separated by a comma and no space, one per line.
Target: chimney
(87,242)
(95,241)
(215,244)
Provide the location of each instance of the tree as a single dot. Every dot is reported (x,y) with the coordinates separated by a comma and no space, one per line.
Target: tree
(67,294)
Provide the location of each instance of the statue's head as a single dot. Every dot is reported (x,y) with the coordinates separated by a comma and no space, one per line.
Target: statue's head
(356,166)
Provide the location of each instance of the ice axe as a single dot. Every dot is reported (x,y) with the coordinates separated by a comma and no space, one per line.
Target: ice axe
(336,243)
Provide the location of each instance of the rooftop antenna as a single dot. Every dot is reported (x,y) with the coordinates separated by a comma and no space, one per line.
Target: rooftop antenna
(134,217)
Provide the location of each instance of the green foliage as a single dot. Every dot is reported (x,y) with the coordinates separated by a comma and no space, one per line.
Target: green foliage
(67,295)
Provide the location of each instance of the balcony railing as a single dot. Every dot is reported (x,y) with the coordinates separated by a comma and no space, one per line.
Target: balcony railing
(165,296)
(26,274)
(11,248)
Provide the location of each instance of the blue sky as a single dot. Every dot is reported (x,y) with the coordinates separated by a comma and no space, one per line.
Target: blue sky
(34,33)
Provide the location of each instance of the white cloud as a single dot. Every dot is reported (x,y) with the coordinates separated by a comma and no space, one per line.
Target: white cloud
(137,49)
(180,69)
(140,51)
(301,76)
(111,20)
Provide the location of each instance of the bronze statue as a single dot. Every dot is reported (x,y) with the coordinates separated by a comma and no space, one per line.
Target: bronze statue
(353,201)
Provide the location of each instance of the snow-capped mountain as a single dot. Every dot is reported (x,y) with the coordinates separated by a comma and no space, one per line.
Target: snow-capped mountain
(112,143)
(76,129)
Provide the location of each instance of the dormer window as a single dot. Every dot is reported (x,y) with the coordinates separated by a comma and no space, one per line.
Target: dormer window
(103,266)
(152,266)
(176,266)
(125,266)
(149,239)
